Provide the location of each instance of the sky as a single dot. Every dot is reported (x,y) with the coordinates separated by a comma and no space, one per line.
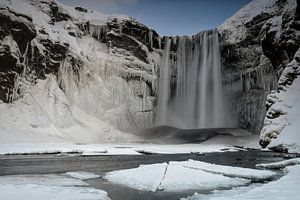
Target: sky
(168,17)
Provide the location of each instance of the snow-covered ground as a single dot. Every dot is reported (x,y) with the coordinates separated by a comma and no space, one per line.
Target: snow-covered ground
(217,144)
(287,187)
(184,176)
(50,187)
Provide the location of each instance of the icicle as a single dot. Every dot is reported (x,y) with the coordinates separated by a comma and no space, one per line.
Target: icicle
(97,31)
(144,87)
(25,60)
(159,42)
(14,94)
(151,39)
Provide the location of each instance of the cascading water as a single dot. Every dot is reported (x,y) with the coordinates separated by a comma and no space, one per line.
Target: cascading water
(164,87)
(197,100)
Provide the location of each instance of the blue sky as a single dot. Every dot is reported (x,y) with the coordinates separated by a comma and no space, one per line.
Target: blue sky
(168,17)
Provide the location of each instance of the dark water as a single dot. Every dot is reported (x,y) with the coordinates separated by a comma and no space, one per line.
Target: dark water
(51,164)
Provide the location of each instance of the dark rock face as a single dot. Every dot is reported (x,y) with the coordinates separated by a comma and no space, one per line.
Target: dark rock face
(17,30)
(19,26)
(55,13)
(125,34)
(19,56)
(81,9)
(123,41)
(49,60)
(9,70)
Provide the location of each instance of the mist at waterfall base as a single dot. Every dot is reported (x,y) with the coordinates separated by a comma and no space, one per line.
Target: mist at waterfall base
(190,94)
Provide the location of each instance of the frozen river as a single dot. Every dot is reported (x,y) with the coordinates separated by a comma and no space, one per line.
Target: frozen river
(57,164)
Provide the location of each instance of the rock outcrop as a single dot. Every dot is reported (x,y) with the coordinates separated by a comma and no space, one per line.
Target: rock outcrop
(257,43)
(16,32)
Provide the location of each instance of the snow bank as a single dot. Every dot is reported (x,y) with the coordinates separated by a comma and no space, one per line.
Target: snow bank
(116,149)
(282,122)
(281,164)
(183,176)
(145,177)
(180,178)
(246,173)
(36,187)
(48,148)
(286,187)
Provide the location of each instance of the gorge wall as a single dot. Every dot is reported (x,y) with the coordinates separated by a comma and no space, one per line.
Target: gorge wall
(74,73)
(64,66)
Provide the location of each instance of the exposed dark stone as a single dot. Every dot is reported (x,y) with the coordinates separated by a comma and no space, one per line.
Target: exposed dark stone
(254,29)
(42,31)
(81,9)
(54,55)
(72,33)
(297,14)
(126,42)
(8,61)
(279,149)
(22,34)
(263,143)
(20,27)
(7,82)
(20,30)
(55,13)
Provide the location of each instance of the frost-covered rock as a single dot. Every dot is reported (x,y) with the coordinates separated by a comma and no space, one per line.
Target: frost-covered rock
(100,65)
(257,42)
(281,125)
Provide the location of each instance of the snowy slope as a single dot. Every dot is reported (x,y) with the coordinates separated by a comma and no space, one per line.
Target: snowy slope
(235,25)
(282,122)
(286,187)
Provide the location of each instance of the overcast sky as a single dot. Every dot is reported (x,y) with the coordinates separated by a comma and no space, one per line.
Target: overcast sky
(168,17)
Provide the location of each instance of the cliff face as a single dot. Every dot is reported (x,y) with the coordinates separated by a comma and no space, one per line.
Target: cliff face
(66,70)
(257,43)
(60,64)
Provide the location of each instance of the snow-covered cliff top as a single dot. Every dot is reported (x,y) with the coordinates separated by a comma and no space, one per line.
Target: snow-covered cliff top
(235,25)
(35,9)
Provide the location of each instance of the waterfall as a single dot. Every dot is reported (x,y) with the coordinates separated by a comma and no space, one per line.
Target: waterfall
(164,86)
(197,99)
